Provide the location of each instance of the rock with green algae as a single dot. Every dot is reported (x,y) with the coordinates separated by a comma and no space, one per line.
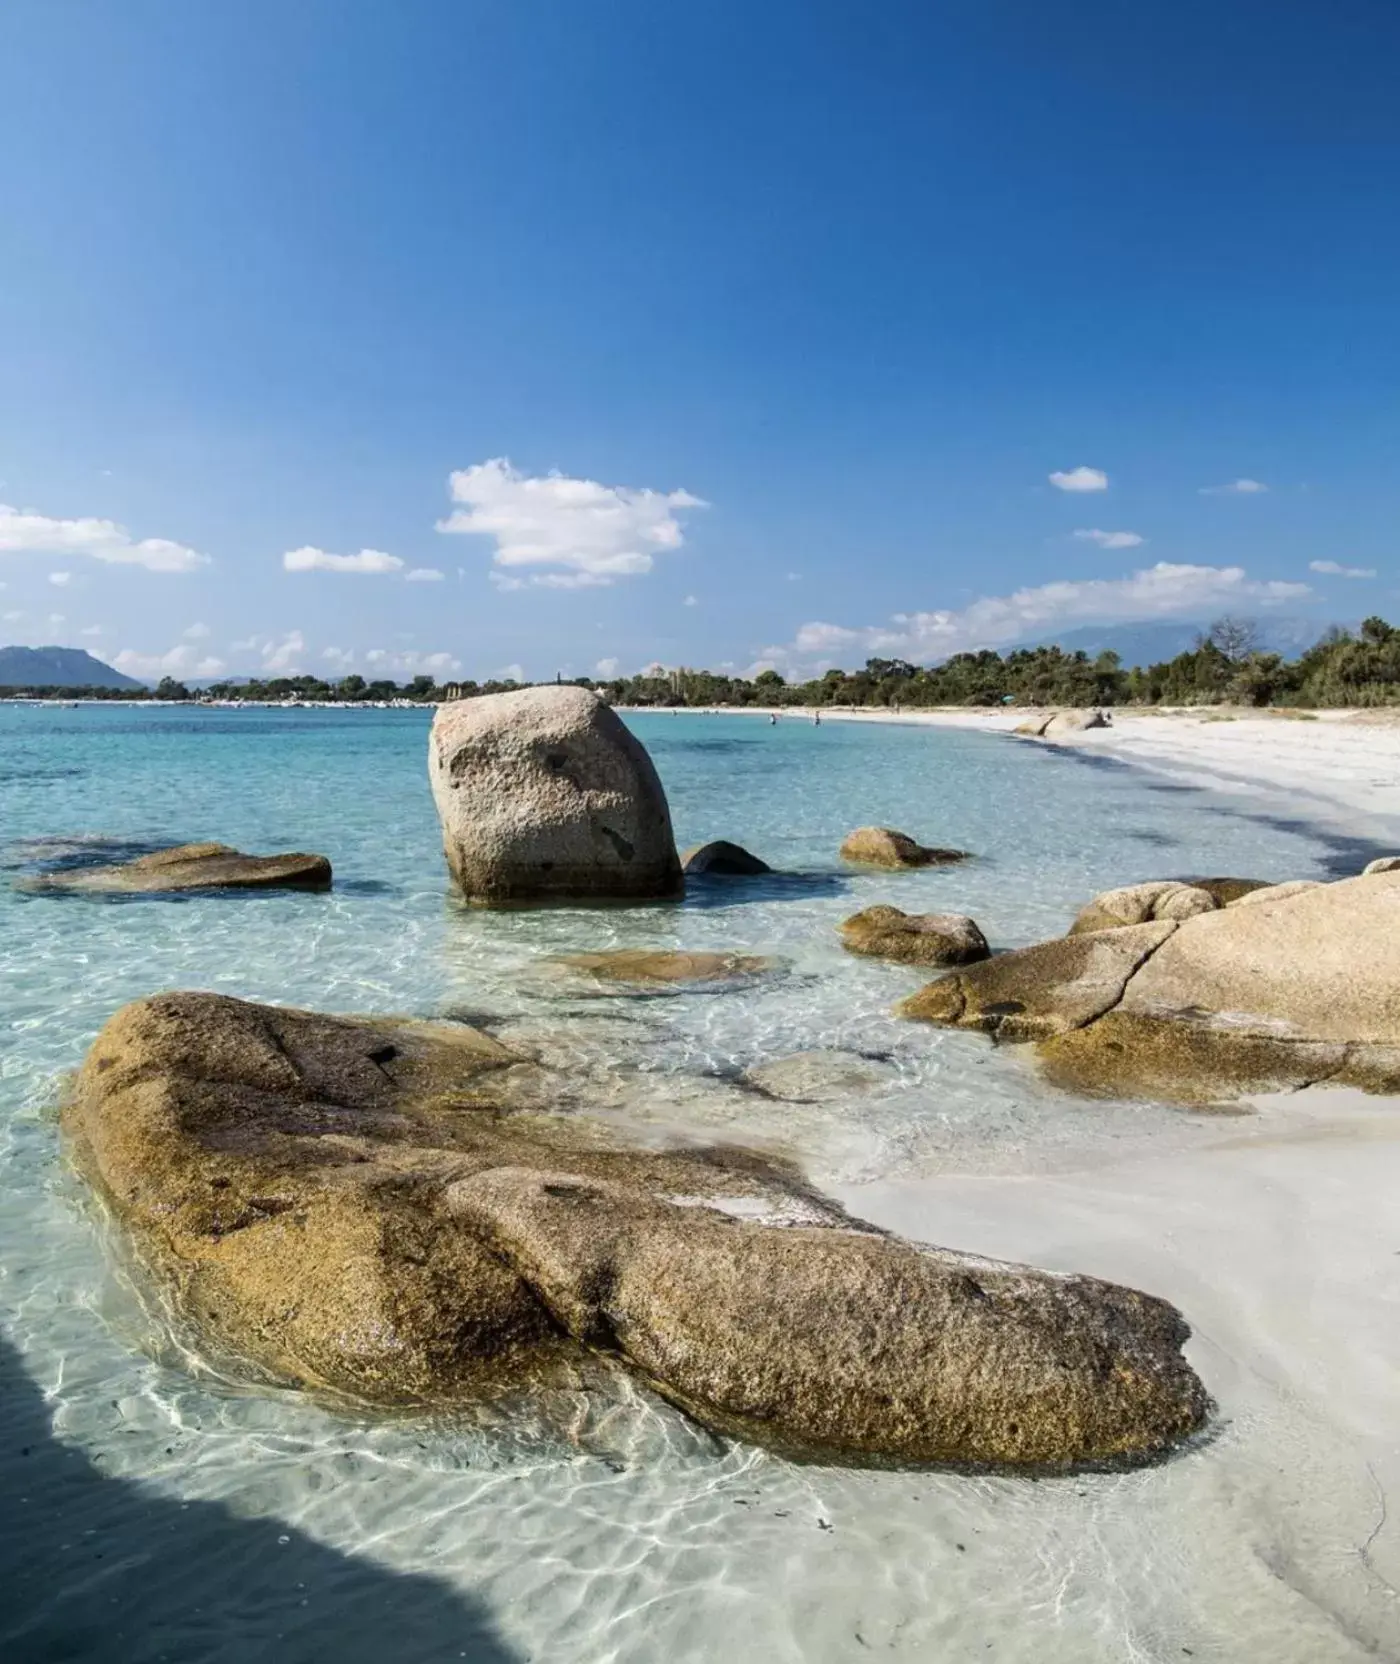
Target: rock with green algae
(914,938)
(392,1209)
(882,846)
(1283,988)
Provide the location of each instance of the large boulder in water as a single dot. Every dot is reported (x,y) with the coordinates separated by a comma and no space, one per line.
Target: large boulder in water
(397,1211)
(191,867)
(544,794)
(882,846)
(914,938)
(1281,988)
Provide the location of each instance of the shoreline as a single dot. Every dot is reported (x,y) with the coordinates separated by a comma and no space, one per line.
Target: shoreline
(1339,768)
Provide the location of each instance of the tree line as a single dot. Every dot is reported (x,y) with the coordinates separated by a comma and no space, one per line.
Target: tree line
(1226,666)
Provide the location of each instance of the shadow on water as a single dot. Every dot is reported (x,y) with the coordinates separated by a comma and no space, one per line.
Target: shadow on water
(104,1569)
(1343,854)
(705,890)
(61,854)
(1143,835)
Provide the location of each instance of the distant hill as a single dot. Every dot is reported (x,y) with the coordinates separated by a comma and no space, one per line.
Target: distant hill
(58,667)
(1143,644)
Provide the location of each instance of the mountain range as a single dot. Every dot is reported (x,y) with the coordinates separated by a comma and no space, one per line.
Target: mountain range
(58,667)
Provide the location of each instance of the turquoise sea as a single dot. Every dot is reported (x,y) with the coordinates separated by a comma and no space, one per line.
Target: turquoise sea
(157,1508)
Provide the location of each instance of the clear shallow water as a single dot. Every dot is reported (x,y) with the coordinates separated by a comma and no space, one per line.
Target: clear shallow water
(237,1524)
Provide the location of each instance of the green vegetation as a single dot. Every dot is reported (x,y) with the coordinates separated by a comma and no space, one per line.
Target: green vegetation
(1224,668)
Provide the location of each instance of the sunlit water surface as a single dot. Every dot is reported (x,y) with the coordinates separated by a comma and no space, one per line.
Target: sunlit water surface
(237,1524)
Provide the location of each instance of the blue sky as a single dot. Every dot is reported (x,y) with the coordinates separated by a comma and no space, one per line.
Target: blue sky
(724,334)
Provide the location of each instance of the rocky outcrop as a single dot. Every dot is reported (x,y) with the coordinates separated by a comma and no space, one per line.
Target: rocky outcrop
(1060,725)
(545,795)
(1385,863)
(1038,992)
(1282,988)
(396,1211)
(1166,898)
(651,967)
(915,938)
(723,860)
(1169,898)
(191,867)
(881,846)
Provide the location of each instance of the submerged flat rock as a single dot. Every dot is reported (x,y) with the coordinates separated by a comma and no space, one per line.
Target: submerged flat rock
(192,867)
(392,1209)
(654,967)
(816,1077)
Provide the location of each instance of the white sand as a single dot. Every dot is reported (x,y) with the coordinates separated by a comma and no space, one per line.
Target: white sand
(1279,1237)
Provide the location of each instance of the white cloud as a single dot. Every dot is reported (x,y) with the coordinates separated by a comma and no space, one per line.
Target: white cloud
(1334,569)
(594,533)
(794,577)
(1080,479)
(607,668)
(280,656)
(510,673)
(13,617)
(551,580)
(387,665)
(58,618)
(24,531)
(1160,591)
(62,579)
(284,657)
(423,575)
(197,632)
(1236,488)
(179,661)
(1111,540)
(691,601)
(317,560)
(91,630)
